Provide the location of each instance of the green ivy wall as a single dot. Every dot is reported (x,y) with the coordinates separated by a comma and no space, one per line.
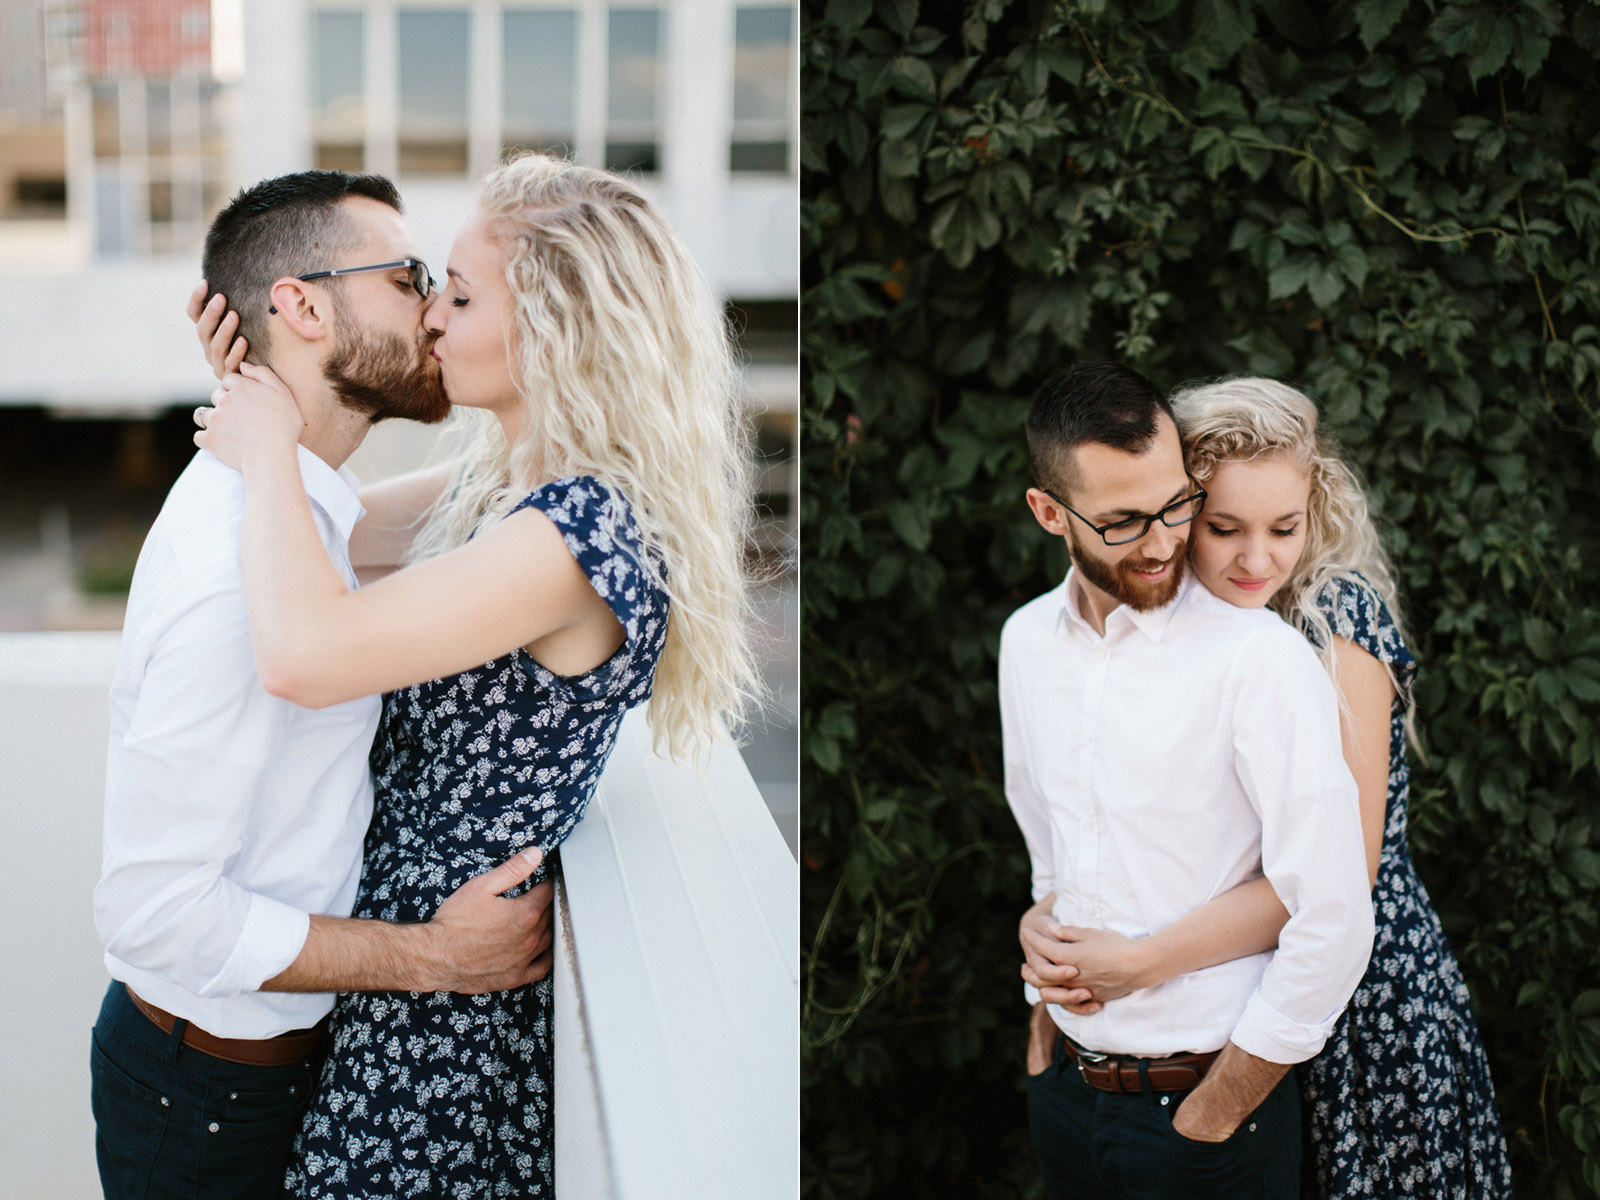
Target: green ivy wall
(1393,204)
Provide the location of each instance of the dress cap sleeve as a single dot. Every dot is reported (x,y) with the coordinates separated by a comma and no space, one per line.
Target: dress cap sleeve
(601,532)
(1355,611)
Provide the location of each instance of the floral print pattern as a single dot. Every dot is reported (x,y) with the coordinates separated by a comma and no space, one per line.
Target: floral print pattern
(444,1095)
(1399,1102)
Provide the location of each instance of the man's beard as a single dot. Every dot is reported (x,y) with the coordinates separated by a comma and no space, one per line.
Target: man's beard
(1119,582)
(381,375)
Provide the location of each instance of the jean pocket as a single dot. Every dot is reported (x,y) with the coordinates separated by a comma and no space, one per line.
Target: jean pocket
(1195,1144)
(248,1109)
(131,1119)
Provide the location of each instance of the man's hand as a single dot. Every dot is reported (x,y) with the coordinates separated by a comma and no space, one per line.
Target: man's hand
(1233,1089)
(1042,1034)
(478,941)
(481,941)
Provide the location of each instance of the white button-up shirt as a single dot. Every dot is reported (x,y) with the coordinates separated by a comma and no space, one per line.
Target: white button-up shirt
(1189,749)
(230,814)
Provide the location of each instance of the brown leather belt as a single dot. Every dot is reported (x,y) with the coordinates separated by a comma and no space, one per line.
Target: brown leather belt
(295,1046)
(1112,1073)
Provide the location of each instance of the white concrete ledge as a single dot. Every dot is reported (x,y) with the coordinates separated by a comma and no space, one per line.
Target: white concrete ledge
(680,989)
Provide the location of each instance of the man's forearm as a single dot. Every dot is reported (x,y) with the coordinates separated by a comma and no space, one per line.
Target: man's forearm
(347,954)
(1233,1089)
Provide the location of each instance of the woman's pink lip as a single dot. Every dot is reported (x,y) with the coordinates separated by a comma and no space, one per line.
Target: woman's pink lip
(1249,585)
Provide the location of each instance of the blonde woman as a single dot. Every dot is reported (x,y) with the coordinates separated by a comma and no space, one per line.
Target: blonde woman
(584,555)
(1399,1102)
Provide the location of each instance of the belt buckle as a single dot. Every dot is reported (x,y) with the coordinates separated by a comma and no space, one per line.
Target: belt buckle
(1087,1059)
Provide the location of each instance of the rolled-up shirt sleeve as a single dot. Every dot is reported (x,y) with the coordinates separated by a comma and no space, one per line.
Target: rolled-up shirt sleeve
(1287,753)
(178,797)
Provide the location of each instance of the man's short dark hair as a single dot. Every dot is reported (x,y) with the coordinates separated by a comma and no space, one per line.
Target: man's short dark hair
(1089,402)
(290,225)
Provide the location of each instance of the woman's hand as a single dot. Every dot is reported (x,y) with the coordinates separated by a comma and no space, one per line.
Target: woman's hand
(216,326)
(253,413)
(1045,967)
(1099,964)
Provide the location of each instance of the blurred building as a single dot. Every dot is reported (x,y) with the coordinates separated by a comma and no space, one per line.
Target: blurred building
(126,124)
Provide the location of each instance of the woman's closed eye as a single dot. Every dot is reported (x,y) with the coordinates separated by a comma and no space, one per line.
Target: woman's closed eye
(1219,531)
(1289,532)
(458,301)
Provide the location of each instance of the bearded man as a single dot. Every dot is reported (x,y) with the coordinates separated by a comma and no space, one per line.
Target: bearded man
(234,820)
(1162,747)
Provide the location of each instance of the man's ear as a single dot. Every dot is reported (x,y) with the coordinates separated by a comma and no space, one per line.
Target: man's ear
(1048,512)
(295,304)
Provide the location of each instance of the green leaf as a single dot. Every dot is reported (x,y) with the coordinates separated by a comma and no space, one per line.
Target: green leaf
(1288,277)
(914,77)
(901,119)
(1376,18)
(898,15)
(1491,49)
(899,159)
(1540,637)
(913,522)
(1324,283)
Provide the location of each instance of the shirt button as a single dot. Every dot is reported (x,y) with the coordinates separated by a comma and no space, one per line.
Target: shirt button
(213,1127)
(165,1103)
(233,1095)
(1164,1100)
(1252,1126)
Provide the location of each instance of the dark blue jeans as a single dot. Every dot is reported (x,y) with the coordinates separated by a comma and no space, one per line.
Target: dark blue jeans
(1101,1146)
(172,1122)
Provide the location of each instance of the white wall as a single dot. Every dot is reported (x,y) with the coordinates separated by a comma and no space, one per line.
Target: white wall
(52,773)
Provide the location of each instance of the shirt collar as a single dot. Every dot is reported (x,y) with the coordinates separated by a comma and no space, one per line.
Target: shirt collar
(335,492)
(1152,623)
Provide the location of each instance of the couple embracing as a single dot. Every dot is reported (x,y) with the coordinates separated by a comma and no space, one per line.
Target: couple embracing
(1204,730)
(324,802)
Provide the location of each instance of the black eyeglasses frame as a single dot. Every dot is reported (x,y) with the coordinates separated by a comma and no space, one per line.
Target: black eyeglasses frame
(1148,519)
(421,280)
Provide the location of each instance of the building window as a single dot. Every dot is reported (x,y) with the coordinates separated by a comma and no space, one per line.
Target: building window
(633,87)
(194,25)
(106,116)
(539,88)
(761,73)
(158,120)
(433,92)
(339,119)
(161,210)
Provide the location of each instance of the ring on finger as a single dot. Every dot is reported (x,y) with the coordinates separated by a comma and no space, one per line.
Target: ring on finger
(200,415)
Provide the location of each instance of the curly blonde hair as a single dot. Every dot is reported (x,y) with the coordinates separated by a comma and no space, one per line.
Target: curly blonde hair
(623,362)
(1236,420)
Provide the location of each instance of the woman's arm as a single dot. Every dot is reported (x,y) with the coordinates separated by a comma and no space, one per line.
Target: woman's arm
(1243,921)
(1368,693)
(397,509)
(318,643)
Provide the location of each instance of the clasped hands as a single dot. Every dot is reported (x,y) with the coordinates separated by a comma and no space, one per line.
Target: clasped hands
(1081,970)
(1078,968)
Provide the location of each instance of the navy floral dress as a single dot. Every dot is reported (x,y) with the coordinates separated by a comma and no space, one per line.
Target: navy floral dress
(443,1095)
(1399,1102)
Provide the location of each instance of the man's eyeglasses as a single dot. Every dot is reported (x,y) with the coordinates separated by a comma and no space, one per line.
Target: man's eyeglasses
(1131,529)
(416,275)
